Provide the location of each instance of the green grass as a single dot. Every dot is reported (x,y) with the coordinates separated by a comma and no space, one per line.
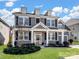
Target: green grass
(44,53)
(76,42)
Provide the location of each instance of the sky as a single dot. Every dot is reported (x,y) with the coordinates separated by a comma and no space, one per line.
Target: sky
(65,9)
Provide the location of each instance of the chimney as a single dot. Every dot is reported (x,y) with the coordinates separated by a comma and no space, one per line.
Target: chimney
(37,11)
(23,9)
(48,13)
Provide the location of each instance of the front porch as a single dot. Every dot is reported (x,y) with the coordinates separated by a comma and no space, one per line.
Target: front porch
(39,37)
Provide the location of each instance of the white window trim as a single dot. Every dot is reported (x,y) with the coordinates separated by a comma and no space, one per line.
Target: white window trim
(23,20)
(51,23)
(66,36)
(58,36)
(23,37)
(52,33)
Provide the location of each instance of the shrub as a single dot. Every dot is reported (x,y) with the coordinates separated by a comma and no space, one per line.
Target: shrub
(71,41)
(22,50)
(51,45)
(66,44)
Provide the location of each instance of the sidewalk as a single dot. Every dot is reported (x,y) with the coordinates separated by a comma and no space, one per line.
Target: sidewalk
(72,57)
(74,46)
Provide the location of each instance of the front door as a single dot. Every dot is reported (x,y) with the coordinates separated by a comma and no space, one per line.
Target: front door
(38,38)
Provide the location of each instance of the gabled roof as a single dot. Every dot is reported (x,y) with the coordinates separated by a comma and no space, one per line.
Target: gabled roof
(62,22)
(40,24)
(72,22)
(4,22)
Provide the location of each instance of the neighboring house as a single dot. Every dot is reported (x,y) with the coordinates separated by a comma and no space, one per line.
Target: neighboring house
(4,32)
(73,24)
(38,29)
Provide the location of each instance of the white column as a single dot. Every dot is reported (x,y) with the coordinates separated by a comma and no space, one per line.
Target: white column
(47,38)
(13,37)
(62,37)
(32,37)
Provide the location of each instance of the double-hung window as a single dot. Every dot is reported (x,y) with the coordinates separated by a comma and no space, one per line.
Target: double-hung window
(20,21)
(26,21)
(50,23)
(52,36)
(66,35)
(23,21)
(23,35)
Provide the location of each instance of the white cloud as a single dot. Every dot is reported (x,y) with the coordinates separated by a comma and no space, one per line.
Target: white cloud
(10,3)
(65,10)
(15,10)
(65,18)
(57,9)
(7,15)
(39,6)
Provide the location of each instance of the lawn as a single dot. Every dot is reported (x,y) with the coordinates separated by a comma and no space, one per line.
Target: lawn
(44,53)
(75,43)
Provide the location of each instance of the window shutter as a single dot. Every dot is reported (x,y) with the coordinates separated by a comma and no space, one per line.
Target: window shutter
(29,35)
(16,33)
(55,35)
(16,19)
(45,21)
(29,20)
(55,22)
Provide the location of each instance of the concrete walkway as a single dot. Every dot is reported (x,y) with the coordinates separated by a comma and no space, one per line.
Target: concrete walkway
(72,57)
(74,46)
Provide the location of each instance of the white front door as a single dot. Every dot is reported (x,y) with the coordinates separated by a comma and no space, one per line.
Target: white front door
(38,38)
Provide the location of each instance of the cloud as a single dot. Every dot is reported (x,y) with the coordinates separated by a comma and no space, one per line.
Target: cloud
(10,3)
(15,10)
(57,9)
(39,6)
(7,15)
(65,10)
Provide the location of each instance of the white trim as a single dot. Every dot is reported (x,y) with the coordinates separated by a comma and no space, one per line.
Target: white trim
(23,17)
(50,22)
(47,41)
(40,23)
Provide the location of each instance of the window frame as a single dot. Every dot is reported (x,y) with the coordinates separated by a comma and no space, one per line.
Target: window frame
(51,21)
(24,18)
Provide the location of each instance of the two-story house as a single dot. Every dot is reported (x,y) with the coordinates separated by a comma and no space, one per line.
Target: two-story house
(37,28)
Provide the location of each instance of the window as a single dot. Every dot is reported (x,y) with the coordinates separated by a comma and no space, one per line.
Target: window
(23,35)
(65,38)
(20,21)
(52,36)
(50,23)
(26,35)
(66,33)
(20,35)
(23,21)
(60,37)
(26,21)
(60,26)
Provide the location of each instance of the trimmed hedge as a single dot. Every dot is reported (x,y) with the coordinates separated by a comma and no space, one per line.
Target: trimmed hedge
(21,50)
